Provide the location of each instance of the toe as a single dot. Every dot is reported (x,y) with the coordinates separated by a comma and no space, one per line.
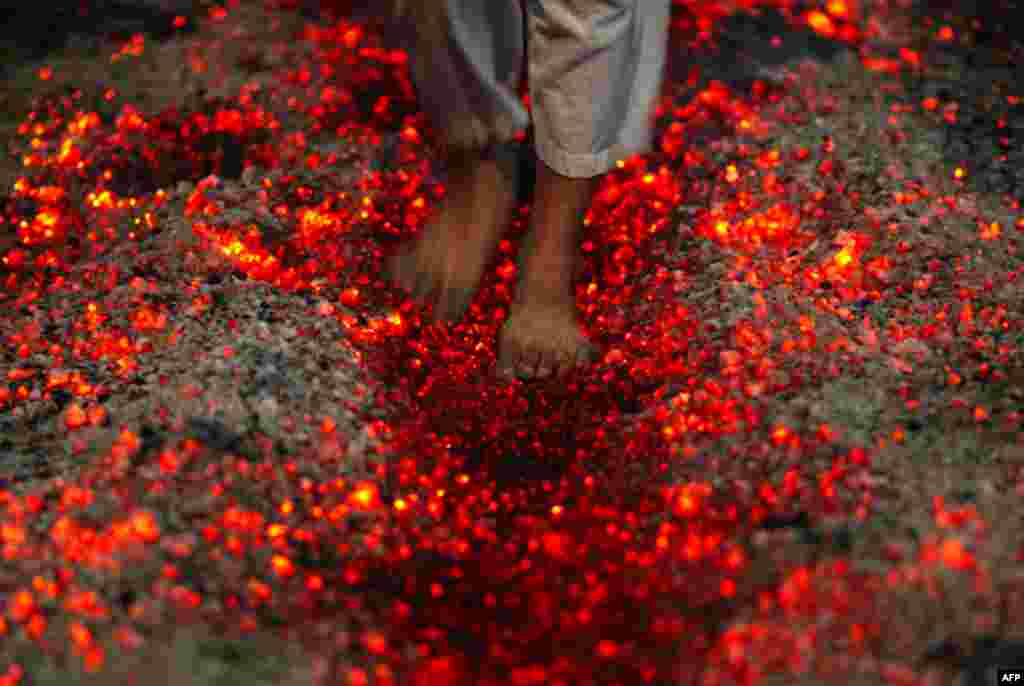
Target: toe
(529,364)
(506,365)
(585,354)
(551,364)
(517,363)
(564,363)
(541,369)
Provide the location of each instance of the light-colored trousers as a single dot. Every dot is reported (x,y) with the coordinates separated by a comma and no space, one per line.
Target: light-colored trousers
(595,71)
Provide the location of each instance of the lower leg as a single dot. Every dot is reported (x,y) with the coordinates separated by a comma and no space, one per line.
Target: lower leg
(446,262)
(559,205)
(541,335)
(465,61)
(594,72)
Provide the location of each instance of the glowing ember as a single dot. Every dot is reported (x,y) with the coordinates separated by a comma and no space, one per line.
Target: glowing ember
(624,512)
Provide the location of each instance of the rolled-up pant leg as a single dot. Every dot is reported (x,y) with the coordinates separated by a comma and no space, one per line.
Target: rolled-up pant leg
(595,73)
(467,61)
(595,69)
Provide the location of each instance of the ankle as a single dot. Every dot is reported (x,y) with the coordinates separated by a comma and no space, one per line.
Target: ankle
(545,286)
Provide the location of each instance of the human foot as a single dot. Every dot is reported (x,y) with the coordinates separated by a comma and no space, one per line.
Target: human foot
(540,340)
(541,336)
(446,262)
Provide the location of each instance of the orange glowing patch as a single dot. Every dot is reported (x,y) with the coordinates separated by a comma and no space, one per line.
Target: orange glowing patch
(364,496)
(838,8)
(821,23)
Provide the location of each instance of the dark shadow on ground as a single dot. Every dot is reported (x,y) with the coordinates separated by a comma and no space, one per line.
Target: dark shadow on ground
(977,70)
(28,35)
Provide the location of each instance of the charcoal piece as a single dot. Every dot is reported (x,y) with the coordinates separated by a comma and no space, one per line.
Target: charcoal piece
(798,520)
(213,434)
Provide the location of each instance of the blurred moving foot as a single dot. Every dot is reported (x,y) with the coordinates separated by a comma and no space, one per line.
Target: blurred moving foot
(445,263)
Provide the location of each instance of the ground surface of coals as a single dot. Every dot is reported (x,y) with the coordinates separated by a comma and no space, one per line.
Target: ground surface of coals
(28,34)
(796,456)
(978,69)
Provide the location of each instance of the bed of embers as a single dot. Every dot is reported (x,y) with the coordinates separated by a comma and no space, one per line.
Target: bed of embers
(796,459)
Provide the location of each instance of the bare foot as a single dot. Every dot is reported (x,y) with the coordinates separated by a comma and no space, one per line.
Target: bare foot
(541,340)
(541,336)
(446,262)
